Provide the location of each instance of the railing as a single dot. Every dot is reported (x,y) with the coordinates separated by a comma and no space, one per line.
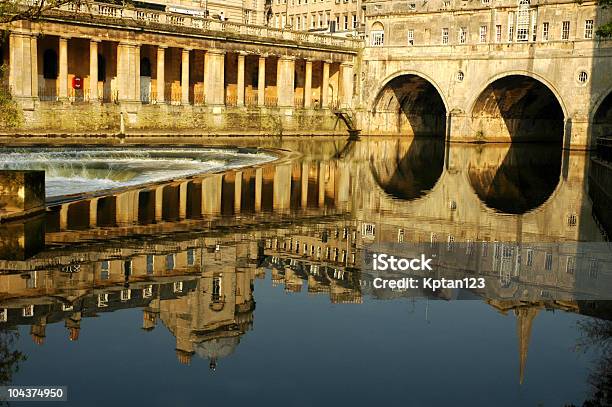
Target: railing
(271,101)
(298,102)
(231,100)
(251,100)
(207,24)
(46,94)
(199,98)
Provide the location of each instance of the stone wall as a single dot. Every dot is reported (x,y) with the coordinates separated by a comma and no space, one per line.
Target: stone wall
(86,118)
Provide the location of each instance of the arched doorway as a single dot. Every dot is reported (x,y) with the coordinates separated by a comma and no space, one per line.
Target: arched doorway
(409,104)
(602,119)
(518,108)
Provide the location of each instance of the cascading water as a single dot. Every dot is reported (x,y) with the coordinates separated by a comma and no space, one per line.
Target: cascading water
(70,171)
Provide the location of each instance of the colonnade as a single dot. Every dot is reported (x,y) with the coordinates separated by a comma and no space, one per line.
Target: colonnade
(257,80)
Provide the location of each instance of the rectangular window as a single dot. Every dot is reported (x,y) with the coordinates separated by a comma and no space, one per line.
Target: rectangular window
(150,263)
(511,26)
(565,30)
(378,38)
(529,258)
(534,24)
(570,266)
(445,36)
(498,33)
(190,257)
(483,33)
(410,37)
(346,22)
(545,28)
(170,262)
(462,35)
(588,29)
(354,20)
(548,262)
(312,21)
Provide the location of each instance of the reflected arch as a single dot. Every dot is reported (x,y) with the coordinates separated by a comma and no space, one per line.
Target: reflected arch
(409,103)
(515,179)
(410,170)
(518,106)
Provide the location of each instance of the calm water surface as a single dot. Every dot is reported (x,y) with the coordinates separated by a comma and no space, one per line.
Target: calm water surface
(249,287)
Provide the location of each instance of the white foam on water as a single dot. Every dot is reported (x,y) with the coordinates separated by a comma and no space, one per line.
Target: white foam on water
(71,171)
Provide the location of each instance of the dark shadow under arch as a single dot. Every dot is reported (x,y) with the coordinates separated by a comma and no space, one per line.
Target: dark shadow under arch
(519,107)
(410,104)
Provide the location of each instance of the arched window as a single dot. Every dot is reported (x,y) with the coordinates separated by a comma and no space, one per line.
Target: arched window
(145,67)
(50,64)
(377,35)
(101,68)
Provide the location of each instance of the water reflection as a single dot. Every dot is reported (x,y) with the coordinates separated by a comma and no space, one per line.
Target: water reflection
(526,176)
(189,253)
(408,170)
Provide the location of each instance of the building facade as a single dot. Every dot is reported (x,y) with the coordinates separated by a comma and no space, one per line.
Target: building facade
(337,17)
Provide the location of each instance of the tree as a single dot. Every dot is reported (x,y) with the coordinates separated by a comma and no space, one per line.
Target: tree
(605,31)
(17,10)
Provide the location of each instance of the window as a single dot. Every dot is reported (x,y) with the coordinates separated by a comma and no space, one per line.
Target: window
(147,292)
(486,2)
(511,26)
(545,27)
(102,300)
(378,38)
(170,262)
(446,4)
(320,20)
(178,286)
(462,35)
(445,36)
(570,266)
(369,229)
(412,6)
(104,270)
(127,268)
(190,257)
(548,262)
(400,235)
(126,294)
(312,21)
(529,258)
(534,24)
(565,28)
(150,263)
(483,33)
(297,22)
(593,268)
(460,76)
(410,37)
(522,21)
(355,21)
(582,78)
(498,33)
(588,29)
(346,22)
(216,288)
(28,311)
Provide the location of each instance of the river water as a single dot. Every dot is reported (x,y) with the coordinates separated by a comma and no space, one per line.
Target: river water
(250,286)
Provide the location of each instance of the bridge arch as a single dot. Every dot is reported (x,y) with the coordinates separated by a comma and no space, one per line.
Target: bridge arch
(518,106)
(409,102)
(601,116)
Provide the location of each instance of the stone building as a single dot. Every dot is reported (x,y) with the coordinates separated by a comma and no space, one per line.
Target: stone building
(337,17)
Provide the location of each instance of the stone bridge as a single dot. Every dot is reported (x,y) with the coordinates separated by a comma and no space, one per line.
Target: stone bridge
(488,71)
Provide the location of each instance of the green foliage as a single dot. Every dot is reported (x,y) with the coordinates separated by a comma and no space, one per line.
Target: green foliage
(10,113)
(605,31)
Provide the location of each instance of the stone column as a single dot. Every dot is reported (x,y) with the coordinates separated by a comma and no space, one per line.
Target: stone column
(238,192)
(93,212)
(325,86)
(258,186)
(93,70)
(23,72)
(128,72)
(63,69)
(261,82)
(240,81)
(185,77)
(214,82)
(346,85)
(285,81)
(308,85)
(183,200)
(161,73)
(34,65)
